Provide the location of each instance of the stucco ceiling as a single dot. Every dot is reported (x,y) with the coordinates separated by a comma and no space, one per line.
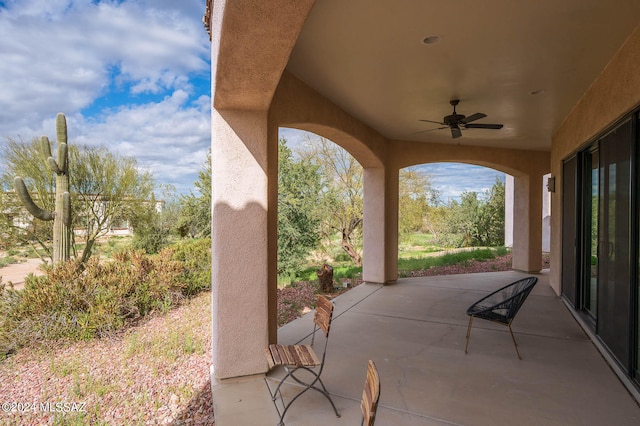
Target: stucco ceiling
(368,56)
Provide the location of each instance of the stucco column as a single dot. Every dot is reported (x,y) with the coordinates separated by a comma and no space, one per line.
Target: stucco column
(380,226)
(508,210)
(239,269)
(527,223)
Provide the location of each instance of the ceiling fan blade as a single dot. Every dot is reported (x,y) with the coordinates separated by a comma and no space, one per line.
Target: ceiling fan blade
(473,117)
(436,122)
(484,126)
(455,132)
(430,130)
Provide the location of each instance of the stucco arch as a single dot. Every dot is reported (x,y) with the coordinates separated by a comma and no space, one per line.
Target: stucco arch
(514,162)
(296,105)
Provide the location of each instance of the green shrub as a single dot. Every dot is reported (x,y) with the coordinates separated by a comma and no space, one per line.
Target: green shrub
(349,272)
(195,254)
(7,260)
(94,301)
(151,238)
(501,251)
(342,257)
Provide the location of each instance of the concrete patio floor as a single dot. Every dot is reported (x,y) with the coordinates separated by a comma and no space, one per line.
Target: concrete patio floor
(414,330)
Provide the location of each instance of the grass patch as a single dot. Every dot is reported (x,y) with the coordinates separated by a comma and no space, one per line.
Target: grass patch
(462,257)
(7,260)
(64,368)
(417,254)
(342,270)
(16,255)
(405,253)
(109,247)
(170,346)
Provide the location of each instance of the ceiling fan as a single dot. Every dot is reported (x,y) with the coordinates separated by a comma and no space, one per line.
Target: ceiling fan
(456,122)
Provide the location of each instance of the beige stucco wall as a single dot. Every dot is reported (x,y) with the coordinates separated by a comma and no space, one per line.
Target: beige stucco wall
(248,55)
(612,95)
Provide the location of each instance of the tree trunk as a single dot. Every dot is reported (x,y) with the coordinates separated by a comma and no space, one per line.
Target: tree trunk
(351,251)
(325,276)
(347,245)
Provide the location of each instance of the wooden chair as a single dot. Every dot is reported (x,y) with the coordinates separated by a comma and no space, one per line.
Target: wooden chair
(303,357)
(501,306)
(370,396)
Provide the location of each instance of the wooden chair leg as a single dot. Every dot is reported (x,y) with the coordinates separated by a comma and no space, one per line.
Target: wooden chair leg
(468,333)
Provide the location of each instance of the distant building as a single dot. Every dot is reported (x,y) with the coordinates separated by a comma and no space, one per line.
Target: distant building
(21,218)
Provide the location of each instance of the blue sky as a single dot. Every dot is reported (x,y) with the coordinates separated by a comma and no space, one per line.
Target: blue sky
(132,75)
(452,179)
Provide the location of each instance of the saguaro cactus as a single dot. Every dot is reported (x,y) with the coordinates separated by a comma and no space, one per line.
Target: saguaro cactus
(61,216)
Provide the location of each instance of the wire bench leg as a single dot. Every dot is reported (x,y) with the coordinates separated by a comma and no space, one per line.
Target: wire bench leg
(468,333)
(514,341)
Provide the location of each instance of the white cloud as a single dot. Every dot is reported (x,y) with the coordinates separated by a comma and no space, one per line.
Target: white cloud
(170,138)
(455,178)
(62,55)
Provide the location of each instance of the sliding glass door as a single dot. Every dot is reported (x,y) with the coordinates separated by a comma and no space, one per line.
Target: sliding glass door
(601,240)
(569,230)
(614,242)
(591,208)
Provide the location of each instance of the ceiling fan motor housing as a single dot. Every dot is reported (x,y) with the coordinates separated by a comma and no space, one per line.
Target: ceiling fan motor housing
(453,119)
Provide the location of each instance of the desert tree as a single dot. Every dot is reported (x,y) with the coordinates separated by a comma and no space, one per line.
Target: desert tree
(105,189)
(417,198)
(341,205)
(299,194)
(109,189)
(194,219)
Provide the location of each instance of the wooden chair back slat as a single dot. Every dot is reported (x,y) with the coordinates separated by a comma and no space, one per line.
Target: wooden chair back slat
(324,312)
(370,395)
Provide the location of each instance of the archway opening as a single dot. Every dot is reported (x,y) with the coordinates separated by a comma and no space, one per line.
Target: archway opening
(320,219)
(451,217)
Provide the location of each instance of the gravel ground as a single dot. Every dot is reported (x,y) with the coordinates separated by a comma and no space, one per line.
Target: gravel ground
(156,373)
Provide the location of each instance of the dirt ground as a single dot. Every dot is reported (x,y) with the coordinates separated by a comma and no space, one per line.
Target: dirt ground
(17,271)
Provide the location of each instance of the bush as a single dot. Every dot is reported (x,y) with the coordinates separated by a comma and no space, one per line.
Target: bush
(342,257)
(77,303)
(501,251)
(5,261)
(196,257)
(151,238)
